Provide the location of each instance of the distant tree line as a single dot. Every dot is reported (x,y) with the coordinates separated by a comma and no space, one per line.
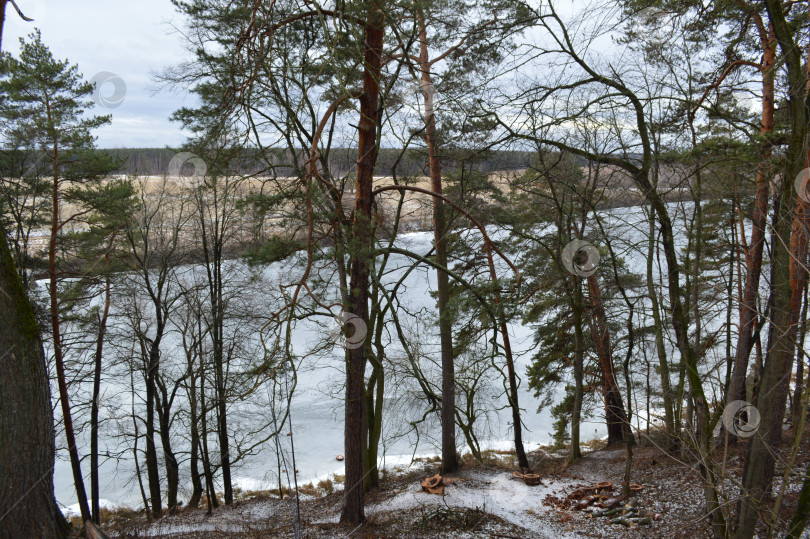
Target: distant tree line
(155,161)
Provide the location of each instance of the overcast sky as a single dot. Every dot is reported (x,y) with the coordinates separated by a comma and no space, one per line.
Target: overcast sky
(131,39)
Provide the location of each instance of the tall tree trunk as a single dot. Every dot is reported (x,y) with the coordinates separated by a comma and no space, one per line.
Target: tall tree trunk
(360,259)
(800,234)
(579,353)
(222,429)
(56,331)
(512,390)
(152,472)
(212,252)
(660,348)
(212,500)
(731,280)
(27,504)
(163,406)
(102,331)
(194,462)
(517,425)
(693,281)
(753,259)
(629,439)
(374,398)
(222,390)
(617,423)
(135,456)
(800,355)
(449,454)
(138,475)
(759,462)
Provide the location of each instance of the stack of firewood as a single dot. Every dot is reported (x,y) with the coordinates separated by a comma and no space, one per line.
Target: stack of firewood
(599,494)
(627,515)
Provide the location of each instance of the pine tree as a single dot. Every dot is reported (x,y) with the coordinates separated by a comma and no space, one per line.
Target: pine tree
(47,98)
(27,446)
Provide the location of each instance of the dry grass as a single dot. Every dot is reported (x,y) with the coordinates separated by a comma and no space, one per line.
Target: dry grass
(326,486)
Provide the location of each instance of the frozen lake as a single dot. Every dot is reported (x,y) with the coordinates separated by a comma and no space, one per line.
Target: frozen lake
(316,407)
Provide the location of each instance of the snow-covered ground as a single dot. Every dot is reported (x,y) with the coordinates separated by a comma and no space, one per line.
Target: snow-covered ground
(496,493)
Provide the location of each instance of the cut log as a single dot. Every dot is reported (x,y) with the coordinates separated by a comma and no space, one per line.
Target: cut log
(608,512)
(433,485)
(611,502)
(531,479)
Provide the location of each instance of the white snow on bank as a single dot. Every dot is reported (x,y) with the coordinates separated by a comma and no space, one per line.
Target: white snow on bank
(71,511)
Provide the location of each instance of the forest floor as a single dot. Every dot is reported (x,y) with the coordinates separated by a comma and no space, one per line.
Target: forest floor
(484,501)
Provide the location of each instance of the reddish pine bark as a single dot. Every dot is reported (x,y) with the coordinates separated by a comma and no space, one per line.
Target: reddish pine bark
(449,455)
(361,258)
(753,259)
(615,413)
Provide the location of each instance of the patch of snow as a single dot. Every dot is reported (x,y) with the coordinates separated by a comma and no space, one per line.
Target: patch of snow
(71,511)
(494,492)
